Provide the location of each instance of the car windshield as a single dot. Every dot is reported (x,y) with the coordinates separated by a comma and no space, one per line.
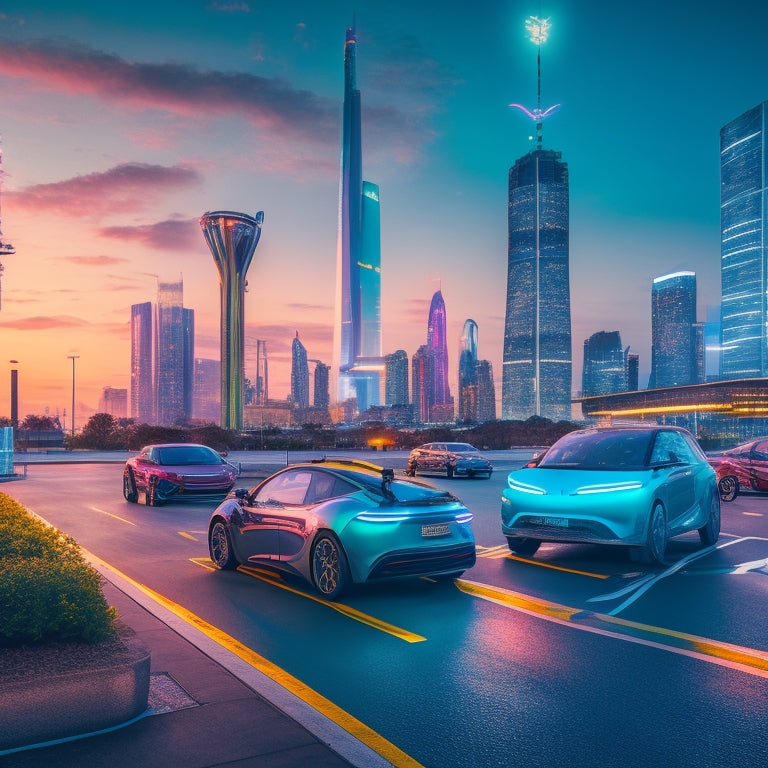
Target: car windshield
(627,449)
(185,455)
(461,448)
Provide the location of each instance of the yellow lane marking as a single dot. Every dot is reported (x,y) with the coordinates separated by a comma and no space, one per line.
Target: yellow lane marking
(187,535)
(542,564)
(345,610)
(750,660)
(104,512)
(274,579)
(336,714)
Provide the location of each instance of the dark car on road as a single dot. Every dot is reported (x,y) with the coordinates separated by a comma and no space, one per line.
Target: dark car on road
(335,523)
(744,468)
(177,470)
(449,459)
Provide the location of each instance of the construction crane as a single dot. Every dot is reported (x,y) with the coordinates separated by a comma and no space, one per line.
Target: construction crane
(6,249)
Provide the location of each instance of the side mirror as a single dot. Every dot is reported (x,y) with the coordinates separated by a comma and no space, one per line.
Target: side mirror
(241,493)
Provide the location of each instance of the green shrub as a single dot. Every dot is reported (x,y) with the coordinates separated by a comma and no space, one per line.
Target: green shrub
(48,592)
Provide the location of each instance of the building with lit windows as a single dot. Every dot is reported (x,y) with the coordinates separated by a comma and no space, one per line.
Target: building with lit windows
(468,373)
(142,384)
(321,385)
(744,245)
(396,391)
(437,341)
(673,331)
(299,374)
(605,364)
(422,383)
(537,366)
(357,362)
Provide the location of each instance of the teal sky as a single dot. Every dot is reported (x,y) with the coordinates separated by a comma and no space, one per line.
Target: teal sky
(123,123)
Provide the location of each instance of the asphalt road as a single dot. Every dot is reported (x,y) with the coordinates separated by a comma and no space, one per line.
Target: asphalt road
(579,657)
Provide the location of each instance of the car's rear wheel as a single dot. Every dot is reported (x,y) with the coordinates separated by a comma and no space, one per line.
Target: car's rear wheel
(728,488)
(129,487)
(153,497)
(523,547)
(220,547)
(330,572)
(710,532)
(449,471)
(656,542)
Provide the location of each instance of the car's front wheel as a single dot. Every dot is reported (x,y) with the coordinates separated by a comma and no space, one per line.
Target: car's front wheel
(710,532)
(330,572)
(728,488)
(523,547)
(129,487)
(656,541)
(220,547)
(449,470)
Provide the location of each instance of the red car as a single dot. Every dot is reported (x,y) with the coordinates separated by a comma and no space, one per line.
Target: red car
(744,468)
(173,470)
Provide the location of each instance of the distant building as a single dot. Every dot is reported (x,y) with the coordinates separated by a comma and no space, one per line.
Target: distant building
(673,338)
(744,245)
(321,385)
(206,404)
(396,378)
(633,372)
(486,392)
(261,385)
(605,367)
(142,381)
(114,402)
(468,394)
(437,341)
(422,383)
(299,374)
(536,378)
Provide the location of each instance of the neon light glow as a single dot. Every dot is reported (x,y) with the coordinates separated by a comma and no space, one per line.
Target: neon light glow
(537,114)
(516,485)
(538,29)
(610,488)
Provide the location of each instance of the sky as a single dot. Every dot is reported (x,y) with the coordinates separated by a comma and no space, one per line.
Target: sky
(122,123)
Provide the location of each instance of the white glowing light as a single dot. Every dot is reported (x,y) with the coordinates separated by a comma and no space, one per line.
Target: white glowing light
(538,29)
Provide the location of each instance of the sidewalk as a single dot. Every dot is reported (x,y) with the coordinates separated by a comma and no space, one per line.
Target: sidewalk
(200,715)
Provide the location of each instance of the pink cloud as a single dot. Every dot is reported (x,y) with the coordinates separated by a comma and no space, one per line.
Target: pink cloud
(127,187)
(170,235)
(45,323)
(94,261)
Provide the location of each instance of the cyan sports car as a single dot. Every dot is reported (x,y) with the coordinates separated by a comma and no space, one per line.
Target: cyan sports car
(633,486)
(343,522)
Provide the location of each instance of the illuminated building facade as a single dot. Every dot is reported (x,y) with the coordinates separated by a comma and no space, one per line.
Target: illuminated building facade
(437,341)
(468,394)
(142,385)
(673,333)
(357,358)
(536,377)
(321,385)
(299,374)
(206,405)
(396,378)
(605,364)
(422,382)
(744,245)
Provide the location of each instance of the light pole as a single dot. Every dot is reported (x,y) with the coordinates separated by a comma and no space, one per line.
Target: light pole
(14,394)
(72,415)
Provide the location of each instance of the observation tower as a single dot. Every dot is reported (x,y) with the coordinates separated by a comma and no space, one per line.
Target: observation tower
(232,238)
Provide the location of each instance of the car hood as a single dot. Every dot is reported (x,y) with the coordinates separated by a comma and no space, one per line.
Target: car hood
(570,481)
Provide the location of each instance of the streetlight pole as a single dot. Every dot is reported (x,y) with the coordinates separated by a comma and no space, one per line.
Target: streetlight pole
(72,415)
(14,394)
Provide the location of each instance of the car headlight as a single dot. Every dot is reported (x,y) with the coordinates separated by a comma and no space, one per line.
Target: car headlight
(516,485)
(631,485)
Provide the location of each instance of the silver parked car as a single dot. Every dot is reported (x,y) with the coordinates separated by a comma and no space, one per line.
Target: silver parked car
(449,459)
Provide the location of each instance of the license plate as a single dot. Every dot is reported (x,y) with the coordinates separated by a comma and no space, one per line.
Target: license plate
(556,522)
(438,529)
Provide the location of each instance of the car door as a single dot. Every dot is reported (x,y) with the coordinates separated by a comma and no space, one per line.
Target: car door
(270,508)
(758,464)
(671,452)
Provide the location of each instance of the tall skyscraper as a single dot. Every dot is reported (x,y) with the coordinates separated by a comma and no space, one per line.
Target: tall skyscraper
(486,392)
(536,378)
(142,382)
(207,390)
(744,245)
(605,366)
(437,340)
(396,378)
(468,395)
(422,383)
(114,402)
(261,385)
(232,238)
(299,374)
(673,335)
(321,386)
(357,362)
(174,359)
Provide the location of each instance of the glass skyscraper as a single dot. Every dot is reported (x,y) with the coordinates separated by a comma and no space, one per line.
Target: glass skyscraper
(673,332)
(142,387)
(396,378)
(357,361)
(605,365)
(744,245)
(299,374)
(536,378)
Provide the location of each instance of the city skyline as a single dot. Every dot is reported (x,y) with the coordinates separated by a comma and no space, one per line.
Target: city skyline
(120,129)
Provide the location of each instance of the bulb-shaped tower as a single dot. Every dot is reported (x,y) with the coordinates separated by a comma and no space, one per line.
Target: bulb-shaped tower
(232,238)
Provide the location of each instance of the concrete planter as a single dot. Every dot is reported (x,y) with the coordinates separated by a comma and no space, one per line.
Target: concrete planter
(52,705)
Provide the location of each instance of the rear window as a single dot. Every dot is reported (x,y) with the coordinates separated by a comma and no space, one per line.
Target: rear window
(627,449)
